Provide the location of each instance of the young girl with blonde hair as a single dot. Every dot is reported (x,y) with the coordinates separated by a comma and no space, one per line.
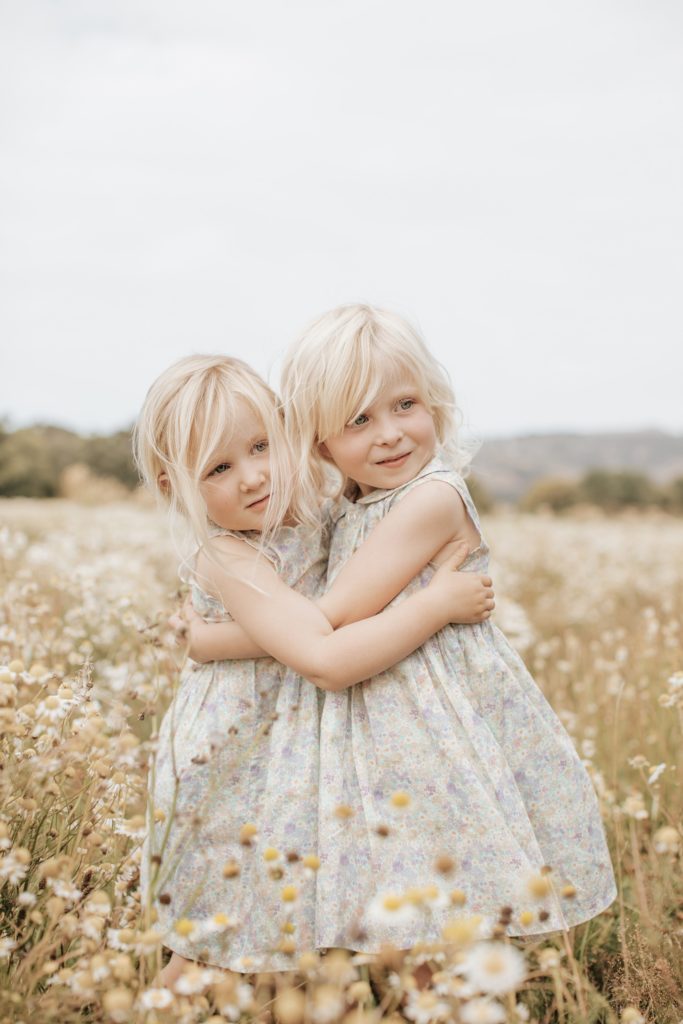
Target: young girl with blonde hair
(232,852)
(493,788)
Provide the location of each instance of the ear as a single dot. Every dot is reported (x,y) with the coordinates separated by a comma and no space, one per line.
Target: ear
(324,451)
(163,483)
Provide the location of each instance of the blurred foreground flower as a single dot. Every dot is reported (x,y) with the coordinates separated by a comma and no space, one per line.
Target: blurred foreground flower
(494,968)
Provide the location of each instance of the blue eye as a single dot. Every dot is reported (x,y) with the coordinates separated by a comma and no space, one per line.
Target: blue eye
(359,420)
(406,403)
(261,446)
(222,467)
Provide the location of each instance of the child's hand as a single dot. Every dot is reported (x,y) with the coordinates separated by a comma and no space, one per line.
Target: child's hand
(467,596)
(188,626)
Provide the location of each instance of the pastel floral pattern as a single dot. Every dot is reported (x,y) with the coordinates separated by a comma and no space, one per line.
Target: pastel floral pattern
(493,780)
(239,747)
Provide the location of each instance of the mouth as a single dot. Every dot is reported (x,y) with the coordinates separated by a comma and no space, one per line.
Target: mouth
(259,504)
(395,460)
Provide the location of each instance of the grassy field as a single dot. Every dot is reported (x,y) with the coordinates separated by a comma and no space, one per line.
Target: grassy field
(86,667)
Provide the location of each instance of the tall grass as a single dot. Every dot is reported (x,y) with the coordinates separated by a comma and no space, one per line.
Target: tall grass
(87,666)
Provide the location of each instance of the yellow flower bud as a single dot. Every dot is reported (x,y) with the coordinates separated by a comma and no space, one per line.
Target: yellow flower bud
(247,833)
(118,1002)
(290,1006)
(308,962)
(462,931)
(400,799)
(539,886)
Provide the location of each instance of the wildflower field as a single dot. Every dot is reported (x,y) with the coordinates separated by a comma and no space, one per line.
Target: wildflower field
(88,665)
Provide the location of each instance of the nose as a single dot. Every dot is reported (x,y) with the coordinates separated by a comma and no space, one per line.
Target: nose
(389,432)
(252,479)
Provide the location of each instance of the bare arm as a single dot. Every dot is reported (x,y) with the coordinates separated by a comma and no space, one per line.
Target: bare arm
(295,632)
(213,641)
(430,524)
(431,519)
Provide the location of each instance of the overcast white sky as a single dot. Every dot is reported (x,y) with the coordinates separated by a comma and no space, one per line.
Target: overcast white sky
(209,175)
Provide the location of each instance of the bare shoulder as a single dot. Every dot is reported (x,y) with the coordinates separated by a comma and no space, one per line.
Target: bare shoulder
(432,501)
(227,554)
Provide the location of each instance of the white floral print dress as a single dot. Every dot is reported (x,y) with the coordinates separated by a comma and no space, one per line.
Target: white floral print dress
(238,746)
(493,780)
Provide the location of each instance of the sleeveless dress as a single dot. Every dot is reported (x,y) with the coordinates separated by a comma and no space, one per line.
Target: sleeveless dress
(494,783)
(238,746)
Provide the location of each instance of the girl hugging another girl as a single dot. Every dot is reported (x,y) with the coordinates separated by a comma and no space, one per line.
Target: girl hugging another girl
(230,863)
(423,743)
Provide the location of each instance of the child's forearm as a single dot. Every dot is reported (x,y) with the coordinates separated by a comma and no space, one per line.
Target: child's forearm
(363,649)
(221,641)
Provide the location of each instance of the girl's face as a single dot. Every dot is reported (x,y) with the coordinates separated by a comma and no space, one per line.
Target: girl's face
(388,443)
(236,487)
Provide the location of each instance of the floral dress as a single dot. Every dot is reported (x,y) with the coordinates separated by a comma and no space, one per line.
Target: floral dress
(449,778)
(238,747)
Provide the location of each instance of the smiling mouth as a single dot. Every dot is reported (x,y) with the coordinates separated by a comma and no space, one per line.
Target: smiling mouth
(396,460)
(259,503)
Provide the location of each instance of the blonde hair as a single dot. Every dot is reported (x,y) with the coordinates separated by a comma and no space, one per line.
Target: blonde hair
(188,412)
(338,367)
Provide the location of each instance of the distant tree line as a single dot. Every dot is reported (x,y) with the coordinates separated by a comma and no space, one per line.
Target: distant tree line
(609,490)
(33,461)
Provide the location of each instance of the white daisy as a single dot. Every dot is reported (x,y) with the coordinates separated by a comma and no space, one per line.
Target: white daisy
(81,984)
(494,968)
(65,889)
(666,839)
(134,828)
(390,909)
(92,926)
(99,969)
(156,999)
(217,924)
(425,1006)
(482,1011)
(328,1004)
(6,947)
(12,869)
(243,998)
(193,981)
(52,709)
(114,941)
(548,958)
